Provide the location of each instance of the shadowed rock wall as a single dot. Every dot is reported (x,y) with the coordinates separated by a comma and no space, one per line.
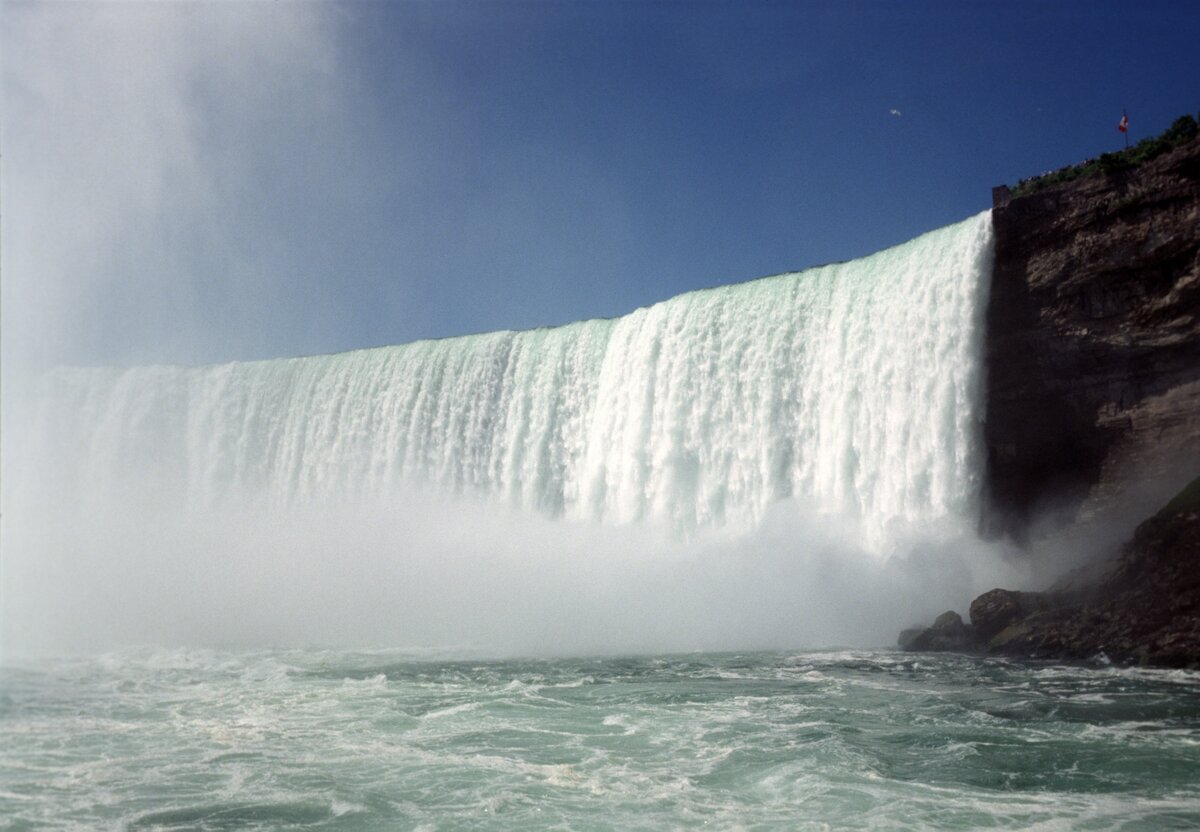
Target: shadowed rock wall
(1094,343)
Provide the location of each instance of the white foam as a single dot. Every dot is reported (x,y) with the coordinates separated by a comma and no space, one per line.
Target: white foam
(856,385)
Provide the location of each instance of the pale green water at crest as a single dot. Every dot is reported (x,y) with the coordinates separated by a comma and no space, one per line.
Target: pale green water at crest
(342,740)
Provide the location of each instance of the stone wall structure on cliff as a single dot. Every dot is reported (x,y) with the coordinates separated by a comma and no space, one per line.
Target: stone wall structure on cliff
(1094,342)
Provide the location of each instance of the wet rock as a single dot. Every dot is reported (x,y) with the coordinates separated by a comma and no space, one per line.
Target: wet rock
(948,633)
(1144,610)
(992,611)
(909,637)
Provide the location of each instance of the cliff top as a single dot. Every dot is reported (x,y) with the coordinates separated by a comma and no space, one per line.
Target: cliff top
(1182,131)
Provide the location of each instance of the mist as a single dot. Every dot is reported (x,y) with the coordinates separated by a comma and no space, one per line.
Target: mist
(422,571)
(148,193)
(108,544)
(1073,537)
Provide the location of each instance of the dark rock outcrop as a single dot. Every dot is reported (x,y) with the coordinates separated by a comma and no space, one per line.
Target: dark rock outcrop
(995,610)
(1094,341)
(948,633)
(1143,608)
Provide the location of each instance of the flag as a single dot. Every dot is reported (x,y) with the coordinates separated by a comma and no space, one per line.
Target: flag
(1123,124)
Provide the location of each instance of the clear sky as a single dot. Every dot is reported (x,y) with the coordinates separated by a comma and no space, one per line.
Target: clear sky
(205,182)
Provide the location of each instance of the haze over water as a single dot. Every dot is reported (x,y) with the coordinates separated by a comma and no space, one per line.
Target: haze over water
(787,445)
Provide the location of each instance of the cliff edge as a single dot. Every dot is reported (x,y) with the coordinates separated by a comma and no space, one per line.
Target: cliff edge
(1094,343)
(1094,410)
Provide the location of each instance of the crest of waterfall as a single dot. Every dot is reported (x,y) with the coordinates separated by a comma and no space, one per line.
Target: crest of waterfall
(854,386)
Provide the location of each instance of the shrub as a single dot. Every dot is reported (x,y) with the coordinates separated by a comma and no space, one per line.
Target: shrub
(1113,162)
(1183,130)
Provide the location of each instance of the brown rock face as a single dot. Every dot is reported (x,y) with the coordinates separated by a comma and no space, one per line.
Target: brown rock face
(1094,340)
(948,633)
(992,611)
(1146,609)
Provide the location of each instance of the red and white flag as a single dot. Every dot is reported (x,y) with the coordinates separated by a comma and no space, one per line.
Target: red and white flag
(1123,124)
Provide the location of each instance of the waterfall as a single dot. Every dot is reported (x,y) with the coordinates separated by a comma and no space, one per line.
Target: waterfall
(856,386)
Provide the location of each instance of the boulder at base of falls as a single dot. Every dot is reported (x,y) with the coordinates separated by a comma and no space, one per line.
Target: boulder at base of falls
(995,610)
(1143,607)
(948,634)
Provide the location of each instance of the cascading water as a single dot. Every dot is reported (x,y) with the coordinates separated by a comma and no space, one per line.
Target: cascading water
(856,386)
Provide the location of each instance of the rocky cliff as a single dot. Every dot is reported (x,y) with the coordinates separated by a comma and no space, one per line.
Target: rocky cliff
(1094,342)
(1093,411)
(1145,607)
(1141,607)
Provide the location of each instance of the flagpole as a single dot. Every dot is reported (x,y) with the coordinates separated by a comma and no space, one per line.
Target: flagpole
(1125,119)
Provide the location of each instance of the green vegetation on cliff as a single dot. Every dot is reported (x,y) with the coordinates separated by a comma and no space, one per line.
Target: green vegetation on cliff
(1183,130)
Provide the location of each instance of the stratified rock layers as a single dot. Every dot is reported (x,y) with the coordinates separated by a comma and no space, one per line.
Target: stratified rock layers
(1094,342)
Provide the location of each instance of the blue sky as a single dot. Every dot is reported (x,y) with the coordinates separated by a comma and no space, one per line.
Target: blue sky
(198,183)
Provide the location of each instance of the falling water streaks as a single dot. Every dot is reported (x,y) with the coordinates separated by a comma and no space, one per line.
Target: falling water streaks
(855,386)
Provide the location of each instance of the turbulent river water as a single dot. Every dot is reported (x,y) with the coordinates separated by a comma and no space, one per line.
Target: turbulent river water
(364,740)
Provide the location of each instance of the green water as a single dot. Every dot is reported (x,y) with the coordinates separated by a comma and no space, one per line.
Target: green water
(320,739)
